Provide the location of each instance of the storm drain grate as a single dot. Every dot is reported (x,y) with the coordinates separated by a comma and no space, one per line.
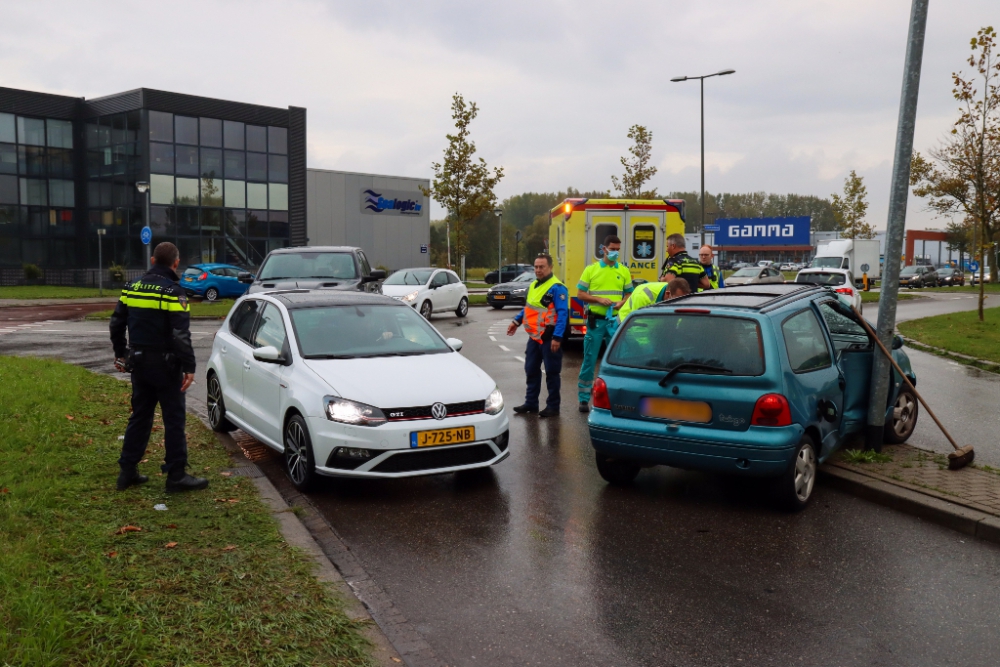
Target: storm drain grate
(252,448)
(251,471)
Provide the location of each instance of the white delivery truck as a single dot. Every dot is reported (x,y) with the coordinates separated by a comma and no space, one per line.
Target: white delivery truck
(850,254)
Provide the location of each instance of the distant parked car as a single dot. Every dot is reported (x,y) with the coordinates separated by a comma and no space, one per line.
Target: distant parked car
(948,276)
(765,262)
(428,291)
(213,281)
(975,277)
(508,273)
(918,276)
(513,293)
(786,267)
(839,280)
(753,275)
(341,268)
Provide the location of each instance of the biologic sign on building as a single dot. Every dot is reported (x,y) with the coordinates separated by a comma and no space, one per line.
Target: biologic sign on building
(763,231)
(390,202)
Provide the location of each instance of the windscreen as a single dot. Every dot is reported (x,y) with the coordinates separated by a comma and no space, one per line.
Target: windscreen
(826,263)
(525,277)
(945,272)
(909,270)
(350,332)
(821,278)
(713,343)
(193,271)
(749,272)
(304,265)
(415,277)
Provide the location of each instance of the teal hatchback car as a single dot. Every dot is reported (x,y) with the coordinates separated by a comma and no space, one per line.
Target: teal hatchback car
(762,380)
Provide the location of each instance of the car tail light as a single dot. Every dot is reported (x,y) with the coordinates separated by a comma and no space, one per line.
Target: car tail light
(845,290)
(771,410)
(203,276)
(600,395)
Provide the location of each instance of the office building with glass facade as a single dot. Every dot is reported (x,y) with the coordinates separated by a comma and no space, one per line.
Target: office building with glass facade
(227,179)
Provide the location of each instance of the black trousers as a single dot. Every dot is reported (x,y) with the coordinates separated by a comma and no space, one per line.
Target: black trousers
(155,381)
(535,354)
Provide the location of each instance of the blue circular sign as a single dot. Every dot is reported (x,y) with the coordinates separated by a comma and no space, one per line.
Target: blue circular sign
(146,235)
(974,265)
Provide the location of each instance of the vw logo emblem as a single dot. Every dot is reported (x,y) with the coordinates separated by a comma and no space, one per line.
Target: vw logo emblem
(439,411)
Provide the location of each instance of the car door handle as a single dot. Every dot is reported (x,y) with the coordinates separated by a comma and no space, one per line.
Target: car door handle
(246,364)
(842,382)
(223,349)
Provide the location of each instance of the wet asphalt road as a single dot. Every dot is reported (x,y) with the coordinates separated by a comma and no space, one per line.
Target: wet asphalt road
(539,562)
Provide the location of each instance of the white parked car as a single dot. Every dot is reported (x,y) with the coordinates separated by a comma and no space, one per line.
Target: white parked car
(352,385)
(837,279)
(429,291)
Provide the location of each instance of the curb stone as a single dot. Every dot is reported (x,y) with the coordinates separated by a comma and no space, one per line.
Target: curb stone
(962,519)
(982,364)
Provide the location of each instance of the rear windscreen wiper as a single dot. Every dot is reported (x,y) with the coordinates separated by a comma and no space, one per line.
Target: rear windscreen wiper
(692,366)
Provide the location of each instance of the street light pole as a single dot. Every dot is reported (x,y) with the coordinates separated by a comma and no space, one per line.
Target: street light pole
(701,80)
(100,261)
(499,213)
(143,187)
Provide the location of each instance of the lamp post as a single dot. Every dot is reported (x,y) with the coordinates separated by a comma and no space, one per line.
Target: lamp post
(143,188)
(100,261)
(701,80)
(499,214)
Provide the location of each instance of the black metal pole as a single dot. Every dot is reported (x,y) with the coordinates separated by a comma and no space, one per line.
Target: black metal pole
(702,84)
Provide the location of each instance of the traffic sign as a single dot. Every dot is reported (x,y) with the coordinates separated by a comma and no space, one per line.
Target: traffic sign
(423,249)
(711,228)
(146,235)
(974,265)
(517,235)
(864,268)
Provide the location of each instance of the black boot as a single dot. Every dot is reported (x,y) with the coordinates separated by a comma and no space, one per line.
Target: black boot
(130,476)
(185,482)
(524,409)
(548,412)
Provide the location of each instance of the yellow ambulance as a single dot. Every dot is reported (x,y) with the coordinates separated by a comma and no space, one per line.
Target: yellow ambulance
(577,228)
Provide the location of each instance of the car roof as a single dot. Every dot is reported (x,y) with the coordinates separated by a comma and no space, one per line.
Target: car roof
(300,298)
(315,248)
(755,297)
(822,270)
(212,265)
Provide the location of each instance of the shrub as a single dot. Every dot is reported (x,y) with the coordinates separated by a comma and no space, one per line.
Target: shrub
(32,272)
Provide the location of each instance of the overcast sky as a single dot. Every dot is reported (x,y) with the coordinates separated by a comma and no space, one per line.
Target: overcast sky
(815,94)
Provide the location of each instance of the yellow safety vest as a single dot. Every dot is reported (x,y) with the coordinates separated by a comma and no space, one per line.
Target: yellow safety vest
(536,316)
(714,278)
(644,295)
(606,281)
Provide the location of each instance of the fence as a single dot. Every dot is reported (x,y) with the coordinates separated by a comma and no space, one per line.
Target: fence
(67,277)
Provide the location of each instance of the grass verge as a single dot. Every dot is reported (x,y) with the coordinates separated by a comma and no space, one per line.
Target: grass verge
(53,292)
(865,456)
(209,581)
(215,309)
(872,297)
(477,299)
(959,332)
(989,288)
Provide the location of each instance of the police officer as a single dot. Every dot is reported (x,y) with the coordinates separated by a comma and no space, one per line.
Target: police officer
(711,270)
(603,287)
(545,314)
(679,264)
(154,310)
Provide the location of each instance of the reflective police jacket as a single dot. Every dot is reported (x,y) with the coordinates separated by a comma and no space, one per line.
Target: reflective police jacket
(546,310)
(155,311)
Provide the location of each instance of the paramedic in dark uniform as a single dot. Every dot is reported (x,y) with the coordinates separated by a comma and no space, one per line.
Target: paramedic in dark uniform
(155,312)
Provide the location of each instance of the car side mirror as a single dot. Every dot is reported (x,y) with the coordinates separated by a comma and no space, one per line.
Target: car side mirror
(897,342)
(374,276)
(245,277)
(454,344)
(268,353)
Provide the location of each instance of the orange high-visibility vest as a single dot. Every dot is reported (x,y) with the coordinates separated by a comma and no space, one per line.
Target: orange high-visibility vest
(536,316)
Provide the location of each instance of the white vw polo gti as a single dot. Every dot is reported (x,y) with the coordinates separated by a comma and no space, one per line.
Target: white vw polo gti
(349,384)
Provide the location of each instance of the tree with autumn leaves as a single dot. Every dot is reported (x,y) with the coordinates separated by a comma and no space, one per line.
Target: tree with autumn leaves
(850,208)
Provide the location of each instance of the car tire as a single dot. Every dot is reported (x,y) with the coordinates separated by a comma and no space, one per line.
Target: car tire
(211,294)
(904,418)
(463,307)
(426,309)
(217,407)
(300,464)
(496,306)
(795,486)
(617,472)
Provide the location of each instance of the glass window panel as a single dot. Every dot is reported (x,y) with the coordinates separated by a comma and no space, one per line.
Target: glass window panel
(256,138)
(33,192)
(211,222)
(118,135)
(236,223)
(31,160)
(211,132)
(277,168)
(187,161)
(805,343)
(161,221)
(133,122)
(61,222)
(278,196)
(233,134)
(91,132)
(60,162)
(187,191)
(187,220)
(8,189)
(256,195)
(30,131)
(61,193)
(161,126)
(257,223)
(9,219)
(8,159)
(60,133)
(8,132)
(161,189)
(190,250)
(161,158)
(236,164)
(277,140)
(279,225)
(236,194)
(185,130)
(104,132)
(211,192)
(256,167)
(211,163)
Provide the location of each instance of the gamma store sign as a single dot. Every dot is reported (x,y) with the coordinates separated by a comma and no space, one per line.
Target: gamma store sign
(391,202)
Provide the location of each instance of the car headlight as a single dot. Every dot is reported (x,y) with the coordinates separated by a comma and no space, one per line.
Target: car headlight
(520,291)
(494,403)
(411,296)
(351,412)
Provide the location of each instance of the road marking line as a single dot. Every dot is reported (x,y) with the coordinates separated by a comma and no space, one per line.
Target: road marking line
(52,330)
(521,359)
(505,348)
(493,338)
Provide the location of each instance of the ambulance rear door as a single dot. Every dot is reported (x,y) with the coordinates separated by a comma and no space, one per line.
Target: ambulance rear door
(643,245)
(600,225)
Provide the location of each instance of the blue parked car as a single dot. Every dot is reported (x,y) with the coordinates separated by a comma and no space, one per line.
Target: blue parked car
(213,281)
(761,380)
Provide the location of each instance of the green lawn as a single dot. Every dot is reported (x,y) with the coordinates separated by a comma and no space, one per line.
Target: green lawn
(53,292)
(218,309)
(990,288)
(959,332)
(209,581)
(872,297)
(477,299)
(476,285)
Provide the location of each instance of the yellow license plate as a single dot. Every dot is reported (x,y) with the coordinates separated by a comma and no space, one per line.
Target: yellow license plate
(500,297)
(676,410)
(443,436)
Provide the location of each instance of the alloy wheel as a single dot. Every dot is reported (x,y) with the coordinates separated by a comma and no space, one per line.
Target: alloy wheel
(425,310)
(902,414)
(805,473)
(296,458)
(214,401)
(463,307)
(212,294)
